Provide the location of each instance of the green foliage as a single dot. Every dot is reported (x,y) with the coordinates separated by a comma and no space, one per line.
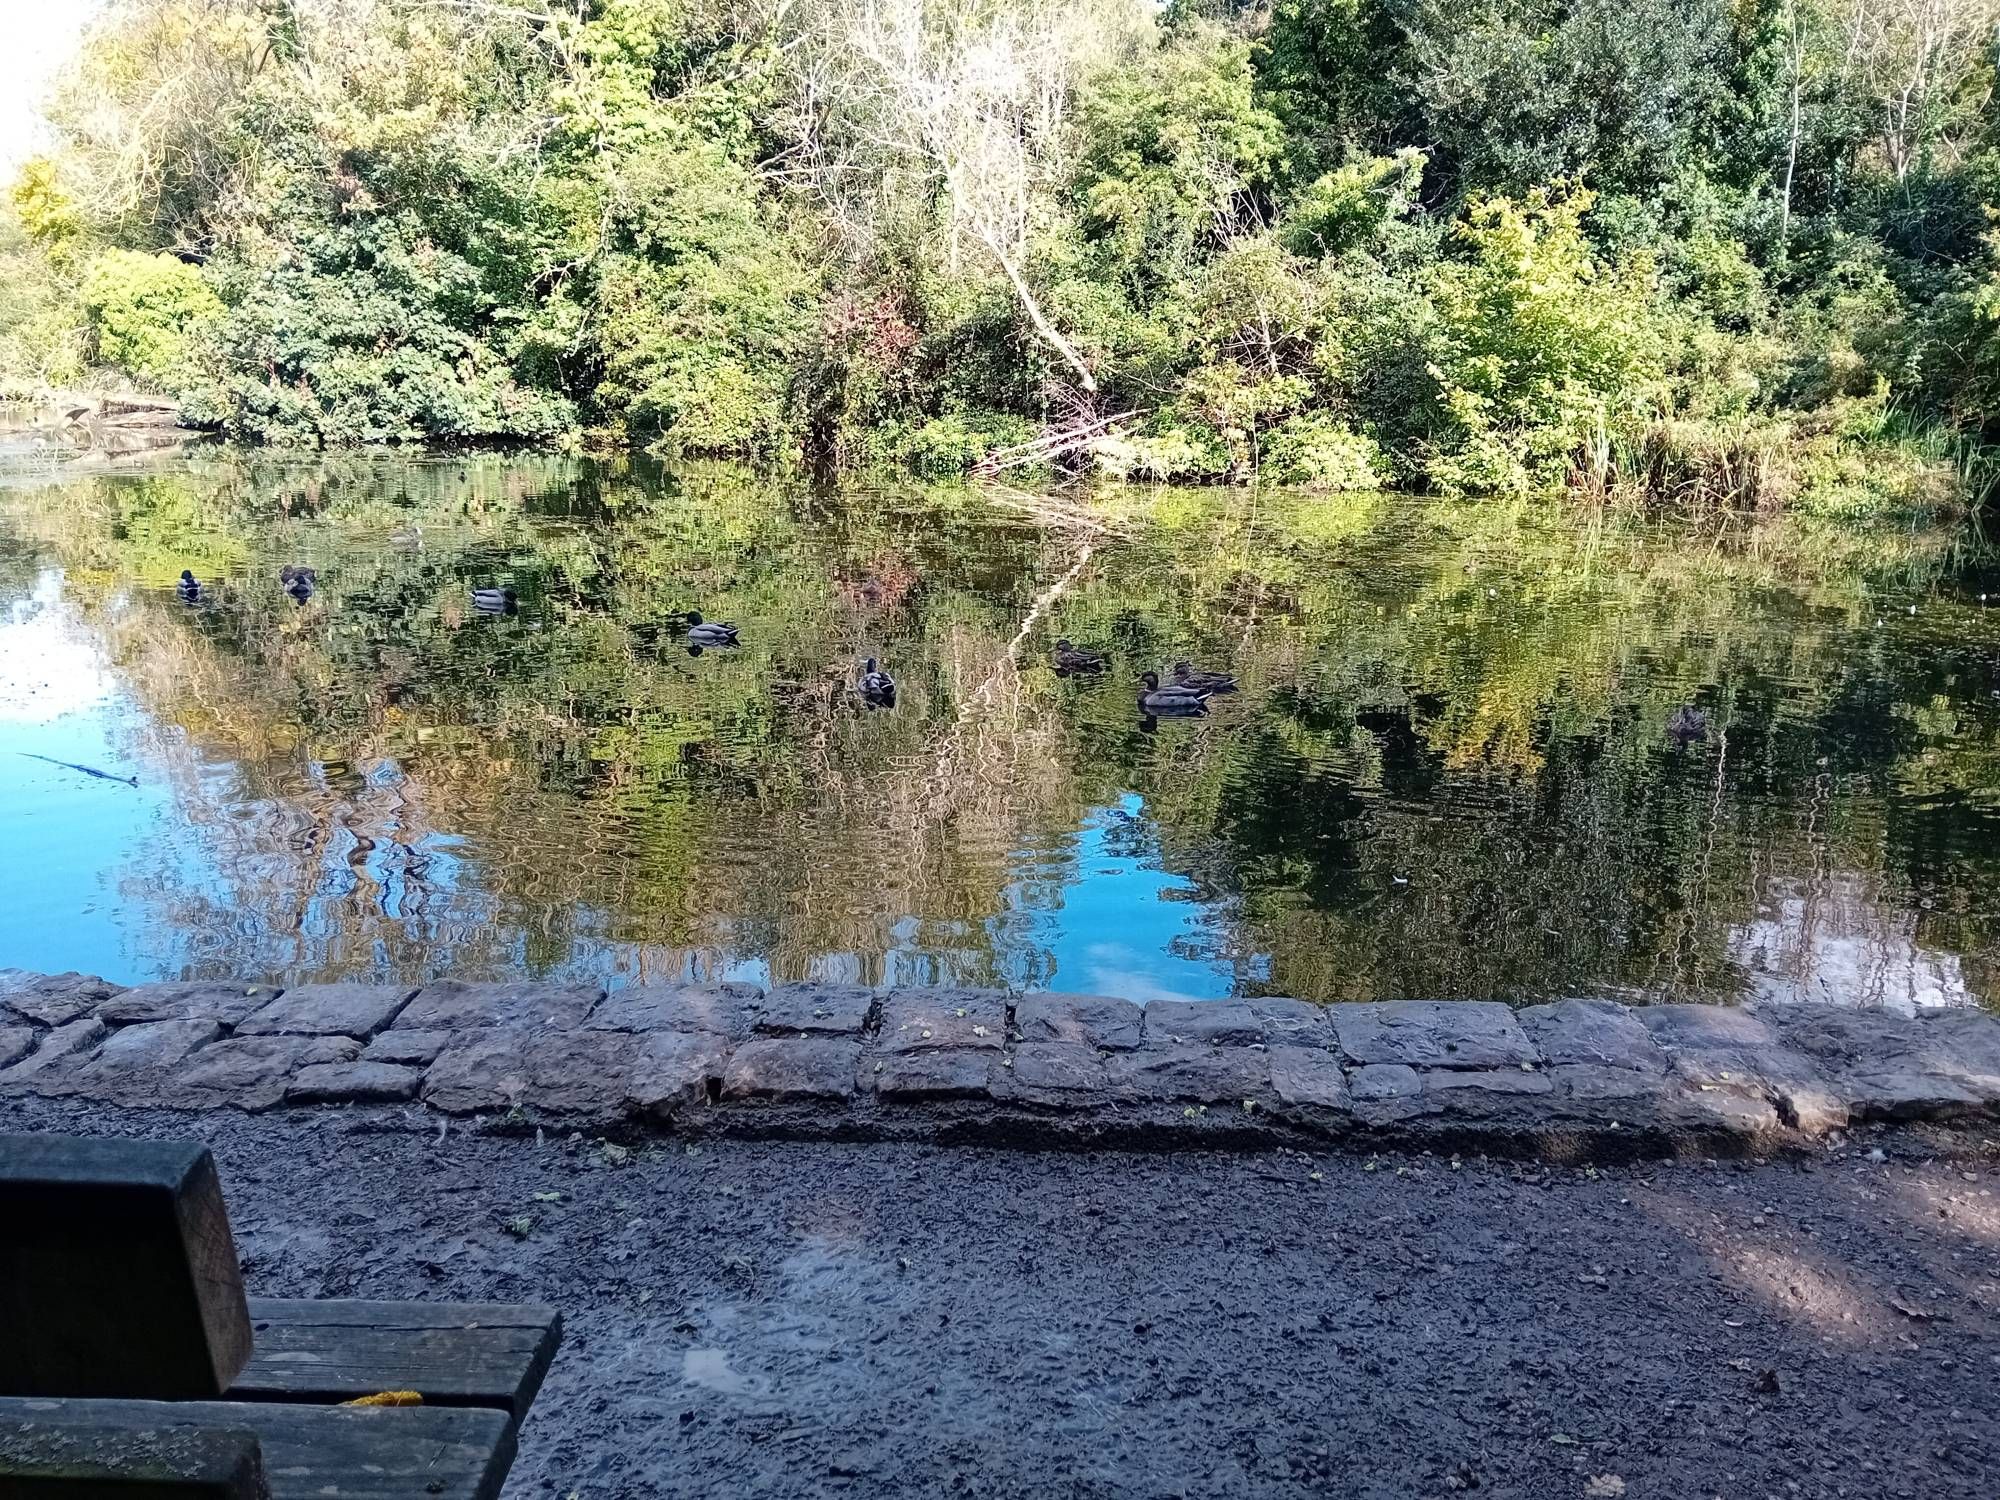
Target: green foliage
(953,443)
(1542,352)
(1174,150)
(697,306)
(146,311)
(43,339)
(1488,246)
(1313,449)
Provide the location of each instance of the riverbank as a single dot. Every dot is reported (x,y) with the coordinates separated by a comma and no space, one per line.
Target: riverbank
(782,1319)
(1573,1080)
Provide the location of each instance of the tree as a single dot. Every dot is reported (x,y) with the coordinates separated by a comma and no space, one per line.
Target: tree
(965,104)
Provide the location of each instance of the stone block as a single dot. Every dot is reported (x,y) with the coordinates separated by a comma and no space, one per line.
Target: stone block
(62,1052)
(356,1010)
(1592,1082)
(1202,1023)
(1726,1111)
(1889,1067)
(16,1042)
(224,1001)
(1376,1082)
(1064,1075)
(1098,1021)
(399,1046)
(1293,1023)
(252,1072)
(354,1083)
(1592,1033)
(150,1049)
(675,1070)
(1308,1078)
(52,999)
(784,1070)
(725,1010)
(933,1020)
(460,1005)
(1433,1034)
(1778,1073)
(1968,1044)
(1488,1081)
(563,1072)
(1704,1026)
(816,1010)
(1199,1075)
(913,1076)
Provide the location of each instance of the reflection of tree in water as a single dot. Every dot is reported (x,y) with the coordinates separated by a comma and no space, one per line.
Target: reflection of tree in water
(1456,766)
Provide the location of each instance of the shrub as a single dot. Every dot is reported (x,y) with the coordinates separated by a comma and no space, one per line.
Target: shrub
(1543,354)
(145,313)
(1317,450)
(953,443)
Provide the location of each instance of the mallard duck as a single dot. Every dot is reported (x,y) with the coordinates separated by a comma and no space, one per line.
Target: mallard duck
(298,580)
(188,588)
(1154,699)
(1687,724)
(1069,658)
(875,685)
(709,632)
(1187,675)
(494,601)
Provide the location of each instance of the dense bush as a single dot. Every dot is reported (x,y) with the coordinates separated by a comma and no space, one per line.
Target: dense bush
(146,311)
(1495,246)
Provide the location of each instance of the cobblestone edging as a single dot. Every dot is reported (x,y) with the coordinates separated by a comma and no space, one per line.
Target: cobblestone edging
(831,1061)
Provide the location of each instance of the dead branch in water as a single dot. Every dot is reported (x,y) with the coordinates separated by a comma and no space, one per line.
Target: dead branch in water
(1053,511)
(1057,440)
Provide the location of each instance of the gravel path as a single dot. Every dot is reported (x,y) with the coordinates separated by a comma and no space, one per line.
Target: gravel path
(770,1319)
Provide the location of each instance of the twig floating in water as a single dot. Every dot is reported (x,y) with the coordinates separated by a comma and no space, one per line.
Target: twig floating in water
(70,765)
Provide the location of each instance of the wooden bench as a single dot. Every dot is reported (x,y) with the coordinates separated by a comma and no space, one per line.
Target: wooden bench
(452,1353)
(349,1452)
(135,1367)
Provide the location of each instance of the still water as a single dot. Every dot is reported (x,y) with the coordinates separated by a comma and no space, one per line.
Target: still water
(1478,749)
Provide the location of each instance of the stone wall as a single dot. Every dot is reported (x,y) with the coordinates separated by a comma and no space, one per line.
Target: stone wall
(807,1059)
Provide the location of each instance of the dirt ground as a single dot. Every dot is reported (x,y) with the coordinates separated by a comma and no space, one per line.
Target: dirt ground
(773,1319)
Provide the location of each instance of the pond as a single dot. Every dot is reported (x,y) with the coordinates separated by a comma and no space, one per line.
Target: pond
(1477,750)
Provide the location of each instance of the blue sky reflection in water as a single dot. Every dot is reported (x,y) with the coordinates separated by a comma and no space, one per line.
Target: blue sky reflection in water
(1517,751)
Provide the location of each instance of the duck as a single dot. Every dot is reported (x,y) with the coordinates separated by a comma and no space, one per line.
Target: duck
(709,632)
(1686,725)
(494,601)
(1187,675)
(1070,658)
(188,588)
(1154,699)
(876,686)
(298,580)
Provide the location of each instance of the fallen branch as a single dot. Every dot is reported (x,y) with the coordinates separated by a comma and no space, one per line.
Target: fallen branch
(1053,442)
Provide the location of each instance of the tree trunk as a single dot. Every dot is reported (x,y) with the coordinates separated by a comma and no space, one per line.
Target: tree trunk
(1792,146)
(1040,319)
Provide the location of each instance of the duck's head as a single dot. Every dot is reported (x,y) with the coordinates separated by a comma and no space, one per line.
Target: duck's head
(868,665)
(694,617)
(1183,668)
(1151,679)
(187,575)
(1062,644)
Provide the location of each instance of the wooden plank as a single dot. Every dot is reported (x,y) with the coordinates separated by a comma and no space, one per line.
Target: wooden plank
(79,1461)
(452,1353)
(118,1273)
(326,1452)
